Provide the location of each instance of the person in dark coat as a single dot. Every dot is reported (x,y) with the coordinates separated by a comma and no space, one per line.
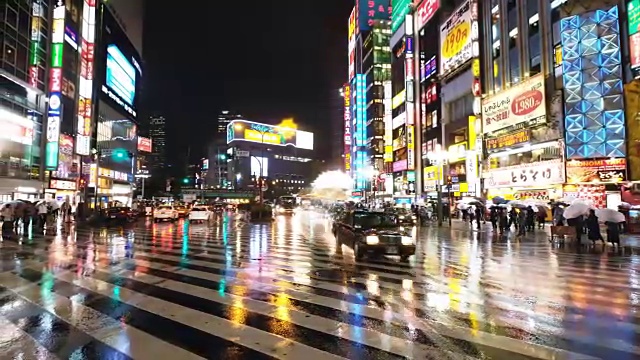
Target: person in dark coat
(513,218)
(479,210)
(504,223)
(542,218)
(613,232)
(593,228)
(493,216)
(578,224)
(531,219)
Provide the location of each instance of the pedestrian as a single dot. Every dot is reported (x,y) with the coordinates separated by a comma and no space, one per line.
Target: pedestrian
(7,221)
(613,233)
(593,227)
(493,217)
(504,223)
(522,222)
(530,213)
(513,218)
(542,218)
(26,218)
(42,215)
(478,211)
(558,215)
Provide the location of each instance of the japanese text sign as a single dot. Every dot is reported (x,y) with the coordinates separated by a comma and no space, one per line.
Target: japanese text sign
(524,102)
(534,174)
(455,38)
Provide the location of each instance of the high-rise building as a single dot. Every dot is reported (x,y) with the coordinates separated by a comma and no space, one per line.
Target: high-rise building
(158,134)
(24,71)
(217,174)
(368,73)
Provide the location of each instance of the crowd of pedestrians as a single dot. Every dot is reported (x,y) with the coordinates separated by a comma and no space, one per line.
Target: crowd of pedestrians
(39,217)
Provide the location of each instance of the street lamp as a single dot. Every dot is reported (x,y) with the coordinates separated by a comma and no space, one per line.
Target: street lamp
(439,157)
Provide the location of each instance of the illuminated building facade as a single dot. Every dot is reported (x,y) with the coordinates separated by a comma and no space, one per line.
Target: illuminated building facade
(217,152)
(369,71)
(283,158)
(24,70)
(554,124)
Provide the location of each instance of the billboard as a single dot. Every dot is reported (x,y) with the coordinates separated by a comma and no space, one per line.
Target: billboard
(524,102)
(37,19)
(455,38)
(347,126)
(370,10)
(144,144)
(54,110)
(425,12)
(399,9)
(84,113)
(122,73)
(67,167)
(243,130)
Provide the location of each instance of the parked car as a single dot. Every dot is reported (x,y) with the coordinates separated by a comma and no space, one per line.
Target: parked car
(117,214)
(200,214)
(165,212)
(368,232)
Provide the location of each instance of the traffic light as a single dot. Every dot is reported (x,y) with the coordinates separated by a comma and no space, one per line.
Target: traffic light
(186,180)
(223,157)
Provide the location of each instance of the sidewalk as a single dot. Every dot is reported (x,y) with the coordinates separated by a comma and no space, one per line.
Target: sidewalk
(628,240)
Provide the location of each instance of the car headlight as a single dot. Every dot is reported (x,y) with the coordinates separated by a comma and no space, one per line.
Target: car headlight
(401,217)
(372,240)
(413,217)
(407,240)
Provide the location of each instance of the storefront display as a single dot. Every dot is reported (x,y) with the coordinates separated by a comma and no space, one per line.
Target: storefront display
(594,193)
(600,171)
(59,189)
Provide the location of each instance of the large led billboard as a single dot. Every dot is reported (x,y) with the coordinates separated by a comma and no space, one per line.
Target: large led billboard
(243,130)
(121,70)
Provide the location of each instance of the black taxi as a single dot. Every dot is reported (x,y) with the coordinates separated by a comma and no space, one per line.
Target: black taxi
(371,232)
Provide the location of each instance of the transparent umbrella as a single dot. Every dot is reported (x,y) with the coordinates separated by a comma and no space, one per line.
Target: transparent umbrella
(610,215)
(576,209)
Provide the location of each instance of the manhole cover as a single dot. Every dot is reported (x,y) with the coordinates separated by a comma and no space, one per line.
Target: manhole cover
(335,274)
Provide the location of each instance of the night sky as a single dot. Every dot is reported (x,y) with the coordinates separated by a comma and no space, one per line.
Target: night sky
(266,59)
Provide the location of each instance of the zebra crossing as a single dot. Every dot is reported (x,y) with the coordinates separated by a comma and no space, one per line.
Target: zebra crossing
(286,291)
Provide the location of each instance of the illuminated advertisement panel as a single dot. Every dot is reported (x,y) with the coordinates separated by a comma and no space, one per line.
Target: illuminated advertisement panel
(352,44)
(243,130)
(455,39)
(122,70)
(370,10)
(593,90)
(144,144)
(399,8)
(85,85)
(54,110)
(359,134)
(347,127)
(388,123)
(34,61)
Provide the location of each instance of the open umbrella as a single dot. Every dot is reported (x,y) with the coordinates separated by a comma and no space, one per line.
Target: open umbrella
(518,204)
(498,200)
(567,200)
(610,215)
(576,209)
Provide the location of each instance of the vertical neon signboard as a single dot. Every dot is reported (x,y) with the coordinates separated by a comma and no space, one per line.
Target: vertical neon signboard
(54,110)
(347,127)
(36,20)
(85,92)
(359,134)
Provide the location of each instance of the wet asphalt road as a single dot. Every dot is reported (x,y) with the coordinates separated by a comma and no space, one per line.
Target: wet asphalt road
(284,290)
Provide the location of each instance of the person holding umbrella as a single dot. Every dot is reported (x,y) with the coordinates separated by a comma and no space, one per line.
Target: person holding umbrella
(593,227)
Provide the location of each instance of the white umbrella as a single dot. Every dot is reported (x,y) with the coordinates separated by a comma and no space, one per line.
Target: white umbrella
(567,200)
(576,209)
(610,215)
(625,205)
(517,204)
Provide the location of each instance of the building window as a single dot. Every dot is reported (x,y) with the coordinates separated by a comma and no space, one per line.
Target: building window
(9,54)
(11,17)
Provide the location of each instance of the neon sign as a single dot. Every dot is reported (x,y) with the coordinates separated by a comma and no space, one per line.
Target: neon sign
(54,110)
(85,100)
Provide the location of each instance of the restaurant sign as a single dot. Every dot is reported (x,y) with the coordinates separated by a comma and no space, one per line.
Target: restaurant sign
(540,173)
(509,140)
(596,171)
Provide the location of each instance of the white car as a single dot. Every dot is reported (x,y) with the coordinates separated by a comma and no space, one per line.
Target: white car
(200,214)
(165,212)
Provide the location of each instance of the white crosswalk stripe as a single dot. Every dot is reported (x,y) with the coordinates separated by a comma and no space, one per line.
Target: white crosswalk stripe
(287,291)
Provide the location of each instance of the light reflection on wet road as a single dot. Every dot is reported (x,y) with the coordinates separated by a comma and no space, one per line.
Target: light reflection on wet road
(285,290)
